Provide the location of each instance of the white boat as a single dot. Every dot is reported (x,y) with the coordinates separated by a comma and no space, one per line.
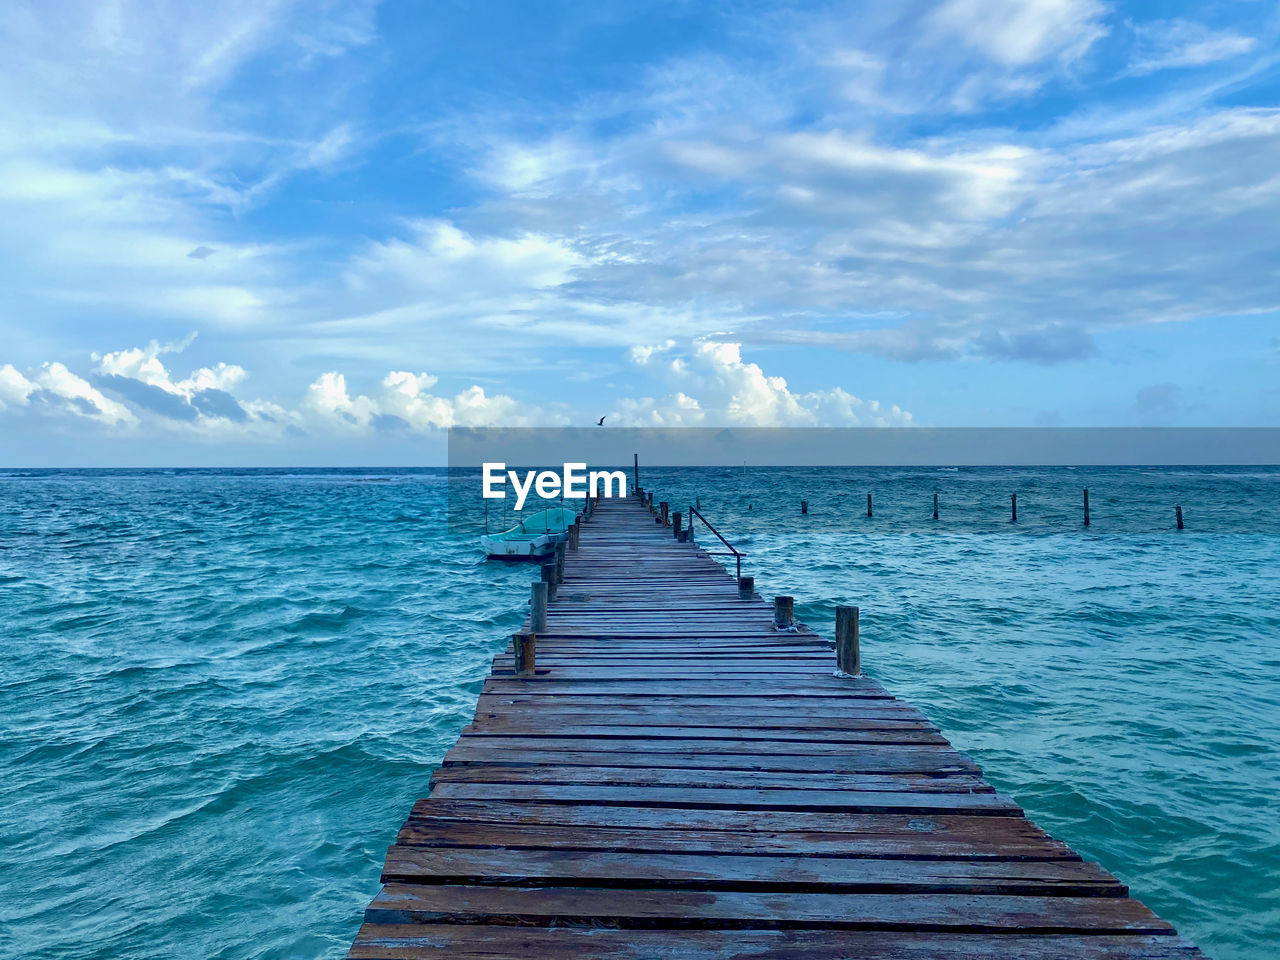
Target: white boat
(532,538)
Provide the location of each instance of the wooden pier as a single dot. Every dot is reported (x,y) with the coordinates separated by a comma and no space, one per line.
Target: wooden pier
(677,779)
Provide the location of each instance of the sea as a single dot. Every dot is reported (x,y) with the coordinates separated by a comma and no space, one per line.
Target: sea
(222,690)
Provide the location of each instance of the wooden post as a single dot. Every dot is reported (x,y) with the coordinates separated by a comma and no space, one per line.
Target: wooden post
(783,612)
(649,495)
(688,534)
(1086,506)
(664,506)
(573,535)
(560,552)
(935,506)
(549,578)
(538,606)
(677,522)
(1179,516)
(746,588)
(848,659)
(868,504)
(804,506)
(525,647)
(1013,501)
(637,470)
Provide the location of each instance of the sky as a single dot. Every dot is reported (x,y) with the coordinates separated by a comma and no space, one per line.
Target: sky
(288,233)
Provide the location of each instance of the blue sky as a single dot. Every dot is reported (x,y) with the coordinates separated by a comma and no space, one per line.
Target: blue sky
(274,232)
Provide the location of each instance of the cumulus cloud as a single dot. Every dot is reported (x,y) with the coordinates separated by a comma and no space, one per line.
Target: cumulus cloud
(15,389)
(61,391)
(733,391)
(134,390)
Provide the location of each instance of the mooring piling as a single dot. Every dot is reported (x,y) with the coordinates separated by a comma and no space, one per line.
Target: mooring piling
(746,588)
(848,658)
(1178,515)
(677,525)
(868,504)
(1086,506)
(804,506)
(935,506)
(560,552)
(784,612)
(549,578)
(1013,507)
(524,652)
(538,606)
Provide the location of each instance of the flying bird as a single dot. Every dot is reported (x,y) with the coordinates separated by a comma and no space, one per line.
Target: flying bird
(600,422)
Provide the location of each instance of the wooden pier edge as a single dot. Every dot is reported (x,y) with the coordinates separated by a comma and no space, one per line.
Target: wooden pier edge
(677,778)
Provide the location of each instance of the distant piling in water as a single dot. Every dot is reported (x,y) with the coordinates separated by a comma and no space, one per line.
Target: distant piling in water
(1086,506)
(1178,514)
(1013,506)
(868,504)
(935,506)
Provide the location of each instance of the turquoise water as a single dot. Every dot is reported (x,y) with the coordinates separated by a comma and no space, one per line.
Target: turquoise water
(220,692)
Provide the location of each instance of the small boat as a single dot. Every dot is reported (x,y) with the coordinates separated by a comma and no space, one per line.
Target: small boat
(532,538)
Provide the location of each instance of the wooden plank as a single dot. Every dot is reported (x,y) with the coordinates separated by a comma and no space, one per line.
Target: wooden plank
(739,799)
(703,777)
(902,837)
(462,903)
(634,734)
(436,941)
(646,818)
(673,871)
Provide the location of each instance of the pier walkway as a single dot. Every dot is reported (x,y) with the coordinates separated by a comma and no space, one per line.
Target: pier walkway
(679,780)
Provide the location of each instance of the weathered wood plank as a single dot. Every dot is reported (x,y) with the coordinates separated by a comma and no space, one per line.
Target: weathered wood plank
(671,871)
(462,903)
(901,837)
(435,941)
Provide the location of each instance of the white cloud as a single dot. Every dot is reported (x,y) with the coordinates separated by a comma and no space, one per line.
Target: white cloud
(143,364)
(14,387)
(75,394)
(441,259)
(1022,32)
(733,391)
(405,398)
(134,389)
(1165,44)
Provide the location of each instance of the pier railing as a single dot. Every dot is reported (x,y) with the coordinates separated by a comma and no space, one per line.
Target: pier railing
(732,551)
(662,514)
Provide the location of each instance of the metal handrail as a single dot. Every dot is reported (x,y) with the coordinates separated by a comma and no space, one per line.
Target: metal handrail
(732,552)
